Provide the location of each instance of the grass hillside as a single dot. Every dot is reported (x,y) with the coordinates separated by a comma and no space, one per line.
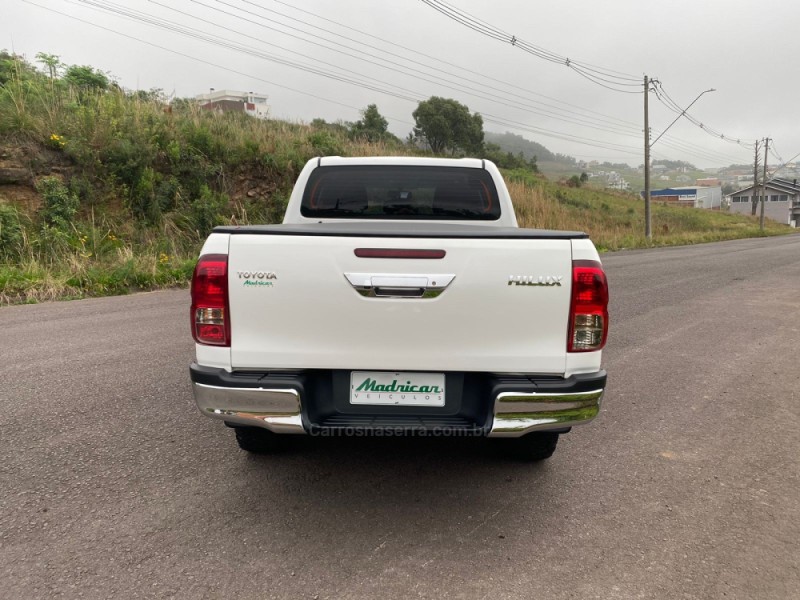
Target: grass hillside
(104,191)
(615,220)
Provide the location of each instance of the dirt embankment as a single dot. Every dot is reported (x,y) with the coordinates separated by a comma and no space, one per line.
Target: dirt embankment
(21,166)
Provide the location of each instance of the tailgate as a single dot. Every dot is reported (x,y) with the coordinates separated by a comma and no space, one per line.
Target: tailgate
(302,302)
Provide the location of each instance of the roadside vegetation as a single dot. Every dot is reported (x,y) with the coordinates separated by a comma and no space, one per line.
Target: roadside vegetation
(615,220)
(105,191)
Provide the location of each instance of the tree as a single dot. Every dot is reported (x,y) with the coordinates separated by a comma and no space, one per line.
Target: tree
(505,160)
(372,125)
(584,177)
(152,95)
(52,62)
(86,78)
(15,68)
(511,142)
(446,124)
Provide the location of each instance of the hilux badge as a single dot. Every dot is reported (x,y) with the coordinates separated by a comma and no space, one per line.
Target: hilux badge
(533,280)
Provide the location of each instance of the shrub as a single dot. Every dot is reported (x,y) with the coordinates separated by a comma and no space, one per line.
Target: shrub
(206,211)
(126,160)
(168,193)
(200,139)
(142,201)
(59,205)
(325,143)
(11,233)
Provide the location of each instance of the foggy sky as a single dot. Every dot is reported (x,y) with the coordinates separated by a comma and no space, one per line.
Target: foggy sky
(746,50)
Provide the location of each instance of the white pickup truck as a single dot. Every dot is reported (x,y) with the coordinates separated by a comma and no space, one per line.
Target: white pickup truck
(399,297)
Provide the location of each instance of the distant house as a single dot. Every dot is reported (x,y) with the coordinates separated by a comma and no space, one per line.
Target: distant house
(694,196)
(709,182)
(249,103)
(781,198)
(618,185)
(617,182)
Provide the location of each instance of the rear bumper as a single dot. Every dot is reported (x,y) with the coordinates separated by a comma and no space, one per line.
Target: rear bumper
(257,400)
(488,404)
(551,405)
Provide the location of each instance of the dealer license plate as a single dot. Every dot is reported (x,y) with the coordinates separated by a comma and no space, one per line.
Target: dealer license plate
(397,389)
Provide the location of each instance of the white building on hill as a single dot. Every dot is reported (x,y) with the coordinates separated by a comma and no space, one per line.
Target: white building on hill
(250,103)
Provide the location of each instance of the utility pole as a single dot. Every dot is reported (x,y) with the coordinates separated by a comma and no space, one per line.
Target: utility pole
(754,202)
(764,184)
(647,145)
(647,231)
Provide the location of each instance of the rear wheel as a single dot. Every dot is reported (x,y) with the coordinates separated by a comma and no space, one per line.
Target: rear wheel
(257,440)
(530,447)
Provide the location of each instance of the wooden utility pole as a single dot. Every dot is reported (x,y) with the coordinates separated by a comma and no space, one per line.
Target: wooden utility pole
(764,184)
(647,230)
(754,199)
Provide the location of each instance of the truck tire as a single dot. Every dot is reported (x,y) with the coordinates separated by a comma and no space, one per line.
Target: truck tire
(531,447)
(257,440)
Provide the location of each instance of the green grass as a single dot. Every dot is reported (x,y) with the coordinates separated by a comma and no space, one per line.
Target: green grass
(34,282)
(615,220)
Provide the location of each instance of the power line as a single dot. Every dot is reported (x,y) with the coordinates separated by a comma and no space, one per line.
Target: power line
(557,135)
(489,118)
(480,25)
(402,93)
(671,140)
(667,101)
(710,156)
(230,44)
(430,57)
(774,152)
(605,77)
(778,168)
(608,87)
(609,120)
(194,58)
(357,80)
(628,129)
(393,66)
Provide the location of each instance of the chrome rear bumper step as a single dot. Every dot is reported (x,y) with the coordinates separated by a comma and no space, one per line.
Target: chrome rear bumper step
(518,413)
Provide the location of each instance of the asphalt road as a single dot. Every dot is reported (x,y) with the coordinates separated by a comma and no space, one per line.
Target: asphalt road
(686,486)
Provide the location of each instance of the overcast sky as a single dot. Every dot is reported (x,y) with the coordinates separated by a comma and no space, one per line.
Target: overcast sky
(746,50)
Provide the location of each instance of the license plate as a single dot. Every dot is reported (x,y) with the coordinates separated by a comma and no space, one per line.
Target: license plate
(397,389)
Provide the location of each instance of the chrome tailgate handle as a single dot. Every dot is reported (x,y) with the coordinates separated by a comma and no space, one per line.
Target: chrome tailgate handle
(392,285)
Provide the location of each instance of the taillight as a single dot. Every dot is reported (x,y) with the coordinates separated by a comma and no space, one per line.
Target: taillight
(588,313)
(211,323)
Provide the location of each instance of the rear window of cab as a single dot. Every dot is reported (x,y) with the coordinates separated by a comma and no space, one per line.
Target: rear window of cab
(401,192)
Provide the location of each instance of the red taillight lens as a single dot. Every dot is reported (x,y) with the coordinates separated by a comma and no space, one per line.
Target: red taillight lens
(588,314)
(210,316)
